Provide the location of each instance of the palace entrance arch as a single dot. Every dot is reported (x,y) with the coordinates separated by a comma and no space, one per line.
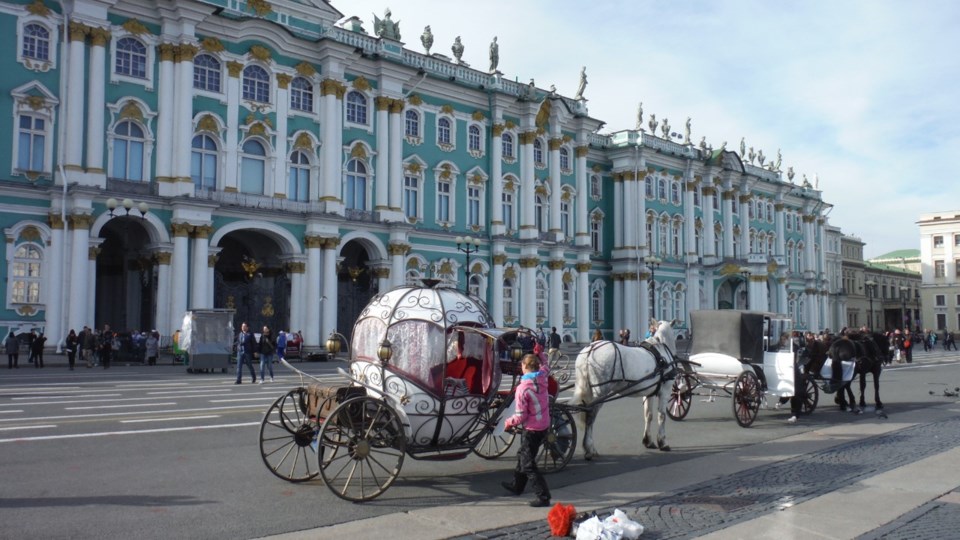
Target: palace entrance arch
(126,279)
(250,278)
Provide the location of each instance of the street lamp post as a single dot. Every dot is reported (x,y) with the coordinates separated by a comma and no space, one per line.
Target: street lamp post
(653,262)
(919,325)
(128,204)
(871,290)
(903,300)
(467,245)
(745,272)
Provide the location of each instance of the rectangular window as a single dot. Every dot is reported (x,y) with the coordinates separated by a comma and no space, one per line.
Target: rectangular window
(938,269)
(956,266)
(443,202)
(473,206)
(958,300)
(32,141)
(942,321)
(595,235)
(411,196)
(506,199)
(956,240)
(938,241)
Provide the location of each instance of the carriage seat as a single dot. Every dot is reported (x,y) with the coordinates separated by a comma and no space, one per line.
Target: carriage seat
(470,370)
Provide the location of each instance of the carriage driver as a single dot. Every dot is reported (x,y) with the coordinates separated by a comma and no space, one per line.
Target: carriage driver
(533,416)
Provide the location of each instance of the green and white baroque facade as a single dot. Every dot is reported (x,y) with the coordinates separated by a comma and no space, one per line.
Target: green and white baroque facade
(293,167)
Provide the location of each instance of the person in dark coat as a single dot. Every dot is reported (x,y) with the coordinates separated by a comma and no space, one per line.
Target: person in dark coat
(107,338)
(11,346)
(267,348)
(36,351)
(71,344)
(246,346)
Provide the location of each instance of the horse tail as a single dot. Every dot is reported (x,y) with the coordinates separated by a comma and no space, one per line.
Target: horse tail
(582,389)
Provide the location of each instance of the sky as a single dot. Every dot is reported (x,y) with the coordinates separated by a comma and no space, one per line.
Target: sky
(859,96)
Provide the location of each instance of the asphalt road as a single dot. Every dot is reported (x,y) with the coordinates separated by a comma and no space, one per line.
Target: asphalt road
(154,452)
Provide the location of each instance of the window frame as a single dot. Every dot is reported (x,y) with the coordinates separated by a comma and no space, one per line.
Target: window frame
(508,147)
(300,168)
(149,42)
(204,152)
(356,109)
(264,85)
(242,155)
(127,139)
(350,185)
(446,132)
(53,33)
(27,279)
(208,71)
(305,94)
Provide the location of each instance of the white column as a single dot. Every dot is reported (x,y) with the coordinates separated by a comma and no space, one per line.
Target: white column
(528,289)
(709,235)
(96,102)
(199,267)
(230,180)
(76,77)
(692,297)
(727,204)
(618,213)
(631,310)
(496,306)
(528,228)
(382,174)
(497,224)
(396,165)
(582,219)
(329,284)
(165,114)
(179,272)
(781,230)
(79,264)
(280,184)
(555,184)
(628,216)
(183,123)
(584,318)
(690,222)
(311,327)
(744,226)
(299,297)
(617,306)
(555,297)
(91,302)
(213,253)
(398,252)
(163,293)
(332,93)
(53,299)
(644,297)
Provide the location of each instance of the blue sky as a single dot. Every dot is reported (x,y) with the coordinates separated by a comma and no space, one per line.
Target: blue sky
(862,94)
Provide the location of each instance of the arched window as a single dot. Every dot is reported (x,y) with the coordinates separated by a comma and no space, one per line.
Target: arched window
(355,188)
(301,94)
(131,58)
(564,158)
(676,238)
(474,201)
(411,124)
(25,274)
(770,214)
(663,235)
(128,151)
(36,42)
(596,306)
(411,196)
(443,131)
(507,141)
(678,301)
(509,294)
(299,188)
(648,186)
(506,200)
(661,189)
(206,73)
(541,300)
(256,84)
(473,138)
(675,192)
(203,162)
(596,232)
(253,167)
(356,108)
(538,152)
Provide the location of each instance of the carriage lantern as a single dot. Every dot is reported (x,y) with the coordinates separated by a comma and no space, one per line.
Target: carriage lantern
(333,345)
(385,351)
(516,351)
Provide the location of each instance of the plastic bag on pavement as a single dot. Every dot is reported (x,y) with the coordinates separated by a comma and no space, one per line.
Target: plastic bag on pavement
(628,528)
(614,527)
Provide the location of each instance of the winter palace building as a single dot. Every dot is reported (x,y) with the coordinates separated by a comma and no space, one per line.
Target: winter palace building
(158,162)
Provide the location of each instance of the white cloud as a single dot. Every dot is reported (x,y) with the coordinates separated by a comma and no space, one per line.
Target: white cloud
(860,92)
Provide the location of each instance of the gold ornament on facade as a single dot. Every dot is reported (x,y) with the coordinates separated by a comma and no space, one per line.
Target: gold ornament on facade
(397,106)
(168,51)
(234,68)
(212,44)
(447,109)
(397,248)
(131,111)
(509,124)
(35,102)
(567,277)
(358,152)
(543,115)
(78,31)
(415,100)
(80,221)
(499,259)
(207,123)
(581,151)
(445,268)
(597,168)
(283,80)
(30,234)
(382,103)
(413,167)
(445,172)
(26,311)
(361,83)
(202,231)
(529,262)
(305,69)
(510,273)
(267,310)
(312,241)
(258,129)
(38,8)
(807,219)
(556,264)
(186,52)
(596,217)
(508,185)
(476,179)
(555,144)
(527,137)
(94,251)
(381,273)
(261,7)
(212,260)
(478,116)
(135,27)
(259,52)
(231,302)
(413,264)
(181,229)
(540,190)
(55,221)
(303,142)
(583,267)
(497,130)
(331,242)
(565,196)
(745,198)
(99,36)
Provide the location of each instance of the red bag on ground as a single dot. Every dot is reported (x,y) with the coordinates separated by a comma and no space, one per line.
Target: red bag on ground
(560,518)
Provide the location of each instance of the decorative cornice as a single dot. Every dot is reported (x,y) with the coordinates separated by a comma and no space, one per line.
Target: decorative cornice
(259,52)
(38,8)
(212,44)
(313,242)
(529,262)
(283,80)
(135,27)
(583,267)
(499,259)
(181,229)
(234,68)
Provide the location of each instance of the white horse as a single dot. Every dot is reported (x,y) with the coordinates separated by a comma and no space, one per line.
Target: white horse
(606,370)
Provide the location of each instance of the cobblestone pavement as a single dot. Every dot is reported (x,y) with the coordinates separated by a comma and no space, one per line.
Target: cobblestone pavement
(716,504)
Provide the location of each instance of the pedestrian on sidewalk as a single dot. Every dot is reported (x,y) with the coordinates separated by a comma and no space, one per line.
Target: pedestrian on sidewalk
(12,347)
(267,348)
(36,351)
(152,345)
(949,343)
(533,417)
(71,344)
(88,344)
(281,345)
(107,339)
(246,346)
(908,345)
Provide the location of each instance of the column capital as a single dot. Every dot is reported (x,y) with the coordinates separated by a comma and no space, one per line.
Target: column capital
(584,267)
(181,229)
(496,130)
(297,267)
(168,52)
(529,262)
(808,219)
(78,31)
(55,221)
(581,151)
(94,251)
(499,259)
(80,221)
(331,242)
(162,257)
(234,68)
(283,80)
(332,87)
(397,106)
(185,52)
(313,241)
(556,264)
(383,273)
(99,36)
(202,231)
(398,248)
(527,137)
(382,103)
(212,260)
(555,144)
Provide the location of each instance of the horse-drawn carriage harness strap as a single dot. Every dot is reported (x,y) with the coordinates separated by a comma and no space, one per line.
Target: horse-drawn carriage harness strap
(665,366)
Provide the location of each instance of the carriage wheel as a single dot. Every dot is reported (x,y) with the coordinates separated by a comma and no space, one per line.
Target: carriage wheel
(287,438)
(560,442)
(681,397)
(810,396)
(492,446)
(362,446)
(746,398)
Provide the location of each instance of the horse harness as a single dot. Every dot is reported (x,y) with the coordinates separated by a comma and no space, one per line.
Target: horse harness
(665,370)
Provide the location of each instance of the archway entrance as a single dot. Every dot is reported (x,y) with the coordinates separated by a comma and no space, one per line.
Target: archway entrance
(126,278)
(732,294)
(250,278)
(356,285)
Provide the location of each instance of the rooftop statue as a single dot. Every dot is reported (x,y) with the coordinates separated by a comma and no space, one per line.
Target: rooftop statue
(743,147)
(457,49)
(639,126)
(652,124)
(494,55)
(583,83)
(427,39)
(386,27)
(686,131)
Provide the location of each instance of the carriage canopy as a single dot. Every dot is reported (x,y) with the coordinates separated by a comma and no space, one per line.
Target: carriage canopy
(739,334)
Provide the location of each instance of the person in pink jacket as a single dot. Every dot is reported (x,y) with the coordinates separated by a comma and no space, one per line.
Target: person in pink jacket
(532,404)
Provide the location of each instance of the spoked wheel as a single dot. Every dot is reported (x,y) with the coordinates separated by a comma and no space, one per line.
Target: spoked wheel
(491,446)
(681,397)
(746,398)
(809,397)
(560,442)
(362,446)
(287,435)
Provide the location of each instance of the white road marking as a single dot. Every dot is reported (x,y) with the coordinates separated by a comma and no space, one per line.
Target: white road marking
(28,427)
(11,412)
(264,398)
(169,419)
(136,432)
(185,392)
(100,415)
(54,396)
(127,405)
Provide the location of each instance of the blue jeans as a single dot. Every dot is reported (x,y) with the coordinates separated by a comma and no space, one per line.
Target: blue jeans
(245,358)
(268,360)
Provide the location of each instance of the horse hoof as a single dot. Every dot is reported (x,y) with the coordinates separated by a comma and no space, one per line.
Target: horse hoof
(649,444)
(665,448)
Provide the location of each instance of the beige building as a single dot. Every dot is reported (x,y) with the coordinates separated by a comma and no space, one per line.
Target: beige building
(883,293)
(940,268)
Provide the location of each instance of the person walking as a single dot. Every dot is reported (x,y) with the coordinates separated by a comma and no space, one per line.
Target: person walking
(12,347)
(246,346)
(88,344)
(152,347)
(281,345)
(533,417)
(71,345)
(949,343)
(36,350)
(106,346)
(267,348)
(908,344)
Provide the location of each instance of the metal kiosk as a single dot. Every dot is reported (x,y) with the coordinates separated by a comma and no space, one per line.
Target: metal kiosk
(207,338)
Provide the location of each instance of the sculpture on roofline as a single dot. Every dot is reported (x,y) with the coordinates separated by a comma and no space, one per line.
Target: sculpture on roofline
(652,124)
(427,39)
(665,129)
(386,27)
(743,147)
(703,144)
(457,49)
(639,126)
(583,83)
(494,55)
(779,160)
(790,174)
(686,131)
